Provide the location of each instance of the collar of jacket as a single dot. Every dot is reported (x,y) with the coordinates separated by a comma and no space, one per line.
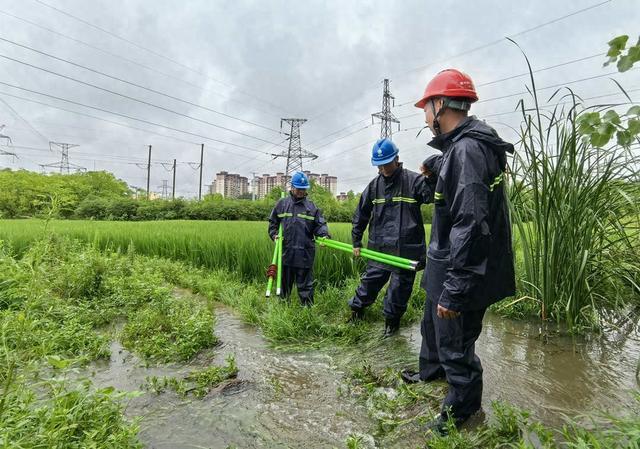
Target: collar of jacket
(443,141)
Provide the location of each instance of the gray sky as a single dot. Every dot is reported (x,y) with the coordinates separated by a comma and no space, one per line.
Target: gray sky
(259,61)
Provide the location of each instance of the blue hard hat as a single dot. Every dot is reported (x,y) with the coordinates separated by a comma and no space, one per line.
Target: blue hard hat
(300,181)
(383,152)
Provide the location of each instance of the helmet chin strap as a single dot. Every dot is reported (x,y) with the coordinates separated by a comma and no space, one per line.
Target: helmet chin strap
(436,115)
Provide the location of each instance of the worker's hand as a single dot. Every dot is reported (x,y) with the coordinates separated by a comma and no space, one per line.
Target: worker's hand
(356,252)
(447,314)
(275,237)
(425,171)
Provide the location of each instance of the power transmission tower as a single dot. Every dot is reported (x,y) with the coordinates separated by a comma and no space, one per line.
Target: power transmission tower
(386,116)
(165,189)
(147,167)
(64,165)
(295,154)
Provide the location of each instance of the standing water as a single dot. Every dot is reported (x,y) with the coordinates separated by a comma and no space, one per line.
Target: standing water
(283,399)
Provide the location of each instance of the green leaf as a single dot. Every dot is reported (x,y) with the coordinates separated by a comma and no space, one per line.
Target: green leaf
(634,53)
(106,390)
(606,128)
(634,110)
(625,63)
(624,138)
(612,116)
(57,362)
(617,44)
(589,118)
(600,140)
(633,126)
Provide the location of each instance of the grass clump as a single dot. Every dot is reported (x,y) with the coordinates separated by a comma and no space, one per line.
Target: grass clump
(55,300)
(198,382)
(169,330)
(286,322)
(58,416)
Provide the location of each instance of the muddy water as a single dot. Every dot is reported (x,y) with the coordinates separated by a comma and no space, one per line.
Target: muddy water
(279,400)
(555,375)
(293,399)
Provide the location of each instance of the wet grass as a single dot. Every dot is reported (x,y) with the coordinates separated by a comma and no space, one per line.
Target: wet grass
(587,296)
(168,330)
(396,407)
(401,412)
(56,301)
(198,382)
(57,297)
(54,414)
(286,322)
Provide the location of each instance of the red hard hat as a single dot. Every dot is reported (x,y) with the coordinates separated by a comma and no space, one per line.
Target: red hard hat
(449,83)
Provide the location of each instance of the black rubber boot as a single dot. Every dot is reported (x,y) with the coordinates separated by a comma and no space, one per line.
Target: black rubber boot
(391,328)
(413,377)
(440,426)
(410,376)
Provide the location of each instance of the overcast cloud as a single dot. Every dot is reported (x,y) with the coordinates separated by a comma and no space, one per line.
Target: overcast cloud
(263,60)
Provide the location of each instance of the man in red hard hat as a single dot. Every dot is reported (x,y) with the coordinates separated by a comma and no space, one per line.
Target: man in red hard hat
(470,257)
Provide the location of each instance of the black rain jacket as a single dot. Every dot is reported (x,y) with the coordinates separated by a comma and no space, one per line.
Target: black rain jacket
(301,222)
(390,207)
(470,257)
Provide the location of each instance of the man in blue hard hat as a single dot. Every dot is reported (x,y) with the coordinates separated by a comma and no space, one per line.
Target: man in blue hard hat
(301,222)
(390,208)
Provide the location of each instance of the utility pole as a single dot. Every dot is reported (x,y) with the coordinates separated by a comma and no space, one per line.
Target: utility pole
(295,154)
(64,164)
(201,164)
(173,185)
(149,173)
(386,116)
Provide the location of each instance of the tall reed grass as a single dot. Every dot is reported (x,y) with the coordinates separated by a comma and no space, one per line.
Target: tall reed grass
(575,212)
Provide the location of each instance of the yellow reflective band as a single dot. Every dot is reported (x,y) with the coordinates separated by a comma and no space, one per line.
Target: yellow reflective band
(379,201)
(495,183)
(285,215)
(438,196)
(306,217)
(403,199)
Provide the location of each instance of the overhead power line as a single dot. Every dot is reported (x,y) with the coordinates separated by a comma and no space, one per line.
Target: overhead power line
(131,117)
(159,54)
(512,36)
(131,61)
(128,97)
(471,50)
(148,89)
